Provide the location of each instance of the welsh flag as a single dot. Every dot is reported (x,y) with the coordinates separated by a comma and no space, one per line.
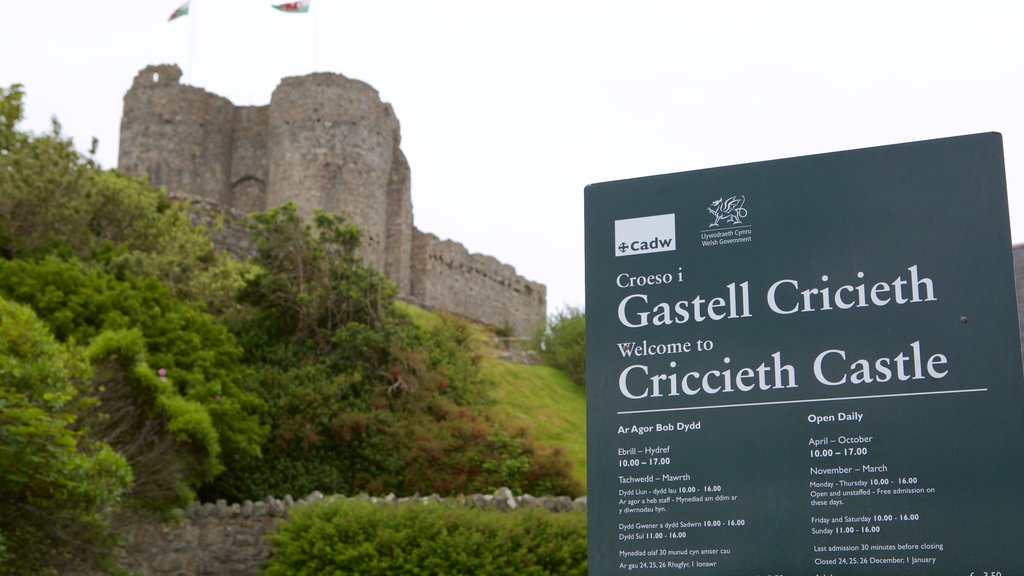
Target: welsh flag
(181,11)
(296,7)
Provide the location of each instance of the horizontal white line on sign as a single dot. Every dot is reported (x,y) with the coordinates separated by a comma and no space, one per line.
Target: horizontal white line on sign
(809,400)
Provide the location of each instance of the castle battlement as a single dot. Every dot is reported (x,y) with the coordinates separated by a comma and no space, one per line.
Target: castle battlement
(324,142)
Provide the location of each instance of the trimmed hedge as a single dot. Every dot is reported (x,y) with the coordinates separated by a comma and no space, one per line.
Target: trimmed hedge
(355,536)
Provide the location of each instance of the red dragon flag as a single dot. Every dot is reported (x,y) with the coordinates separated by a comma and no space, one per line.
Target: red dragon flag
(181,11)
(294,7)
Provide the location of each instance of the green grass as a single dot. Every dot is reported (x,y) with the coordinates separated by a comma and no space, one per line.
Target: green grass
(547,403)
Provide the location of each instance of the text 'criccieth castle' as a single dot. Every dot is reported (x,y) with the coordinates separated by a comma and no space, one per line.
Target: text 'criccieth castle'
(324,142)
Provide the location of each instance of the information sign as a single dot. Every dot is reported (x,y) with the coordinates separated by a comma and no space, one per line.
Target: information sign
(807,366)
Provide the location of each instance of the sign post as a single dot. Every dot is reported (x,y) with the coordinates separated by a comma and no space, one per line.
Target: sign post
(807,366)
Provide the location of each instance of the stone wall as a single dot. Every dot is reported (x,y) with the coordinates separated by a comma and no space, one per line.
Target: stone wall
(250,168)
(398,260)
(226,226)
(332,144)
(179,135)
(324,142)
(229,540)
(449,277)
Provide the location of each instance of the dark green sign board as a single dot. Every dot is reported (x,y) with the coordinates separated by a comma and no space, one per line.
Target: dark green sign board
(807,366)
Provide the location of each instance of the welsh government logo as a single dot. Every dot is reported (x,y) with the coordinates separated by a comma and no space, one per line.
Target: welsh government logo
(731,211)
(645,235)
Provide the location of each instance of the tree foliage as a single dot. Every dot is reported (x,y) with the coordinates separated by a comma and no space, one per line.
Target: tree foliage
(169,440)
(359,397)
(312,281)
(561,343)
(57,485)
(198,355)
(54,200)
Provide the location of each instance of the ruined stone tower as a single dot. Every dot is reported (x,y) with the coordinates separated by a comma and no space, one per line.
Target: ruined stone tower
(324,142)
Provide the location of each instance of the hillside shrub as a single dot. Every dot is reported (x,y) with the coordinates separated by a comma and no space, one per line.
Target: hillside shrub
(359,397)
(57,486)
(312,281)
(55,200)
(457,450)
(360,537)
(196,354)
(169,441)
(416,426)
(562,343)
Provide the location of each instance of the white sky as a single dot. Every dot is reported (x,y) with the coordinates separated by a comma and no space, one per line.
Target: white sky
(509,108)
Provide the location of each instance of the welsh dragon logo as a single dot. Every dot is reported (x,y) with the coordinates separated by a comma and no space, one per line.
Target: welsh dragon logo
(730,210)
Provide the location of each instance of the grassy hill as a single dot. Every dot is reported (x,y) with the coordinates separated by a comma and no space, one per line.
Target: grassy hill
(547,403)
(543,400)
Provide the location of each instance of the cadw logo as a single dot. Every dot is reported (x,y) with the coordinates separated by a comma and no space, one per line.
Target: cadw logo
(645,235)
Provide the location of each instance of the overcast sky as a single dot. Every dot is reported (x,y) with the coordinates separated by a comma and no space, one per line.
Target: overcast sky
(509,108)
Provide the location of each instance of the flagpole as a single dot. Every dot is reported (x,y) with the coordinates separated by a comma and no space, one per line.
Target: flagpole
(316,41)
(192,49)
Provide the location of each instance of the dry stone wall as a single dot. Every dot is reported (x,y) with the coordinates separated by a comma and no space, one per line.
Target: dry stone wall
(325,142)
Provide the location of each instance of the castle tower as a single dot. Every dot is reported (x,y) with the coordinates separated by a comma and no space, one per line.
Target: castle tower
(180,136)
(333,146)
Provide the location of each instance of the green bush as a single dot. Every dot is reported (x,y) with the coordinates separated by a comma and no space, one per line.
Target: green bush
(169,441)
(54,200)
(312,281)
(197,355)
(56,485)
(562,343)
(369,539)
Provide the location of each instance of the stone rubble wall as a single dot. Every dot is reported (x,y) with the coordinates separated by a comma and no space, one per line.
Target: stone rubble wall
(331,147)
(398,260)
(178,135)
(250,168)
(225,226)
(450,277)
(325,142)
(230,540)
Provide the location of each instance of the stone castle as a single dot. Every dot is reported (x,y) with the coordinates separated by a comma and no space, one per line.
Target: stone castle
(324,142)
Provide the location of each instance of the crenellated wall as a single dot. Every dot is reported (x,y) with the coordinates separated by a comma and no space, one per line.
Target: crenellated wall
(325,142)
(449,277)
